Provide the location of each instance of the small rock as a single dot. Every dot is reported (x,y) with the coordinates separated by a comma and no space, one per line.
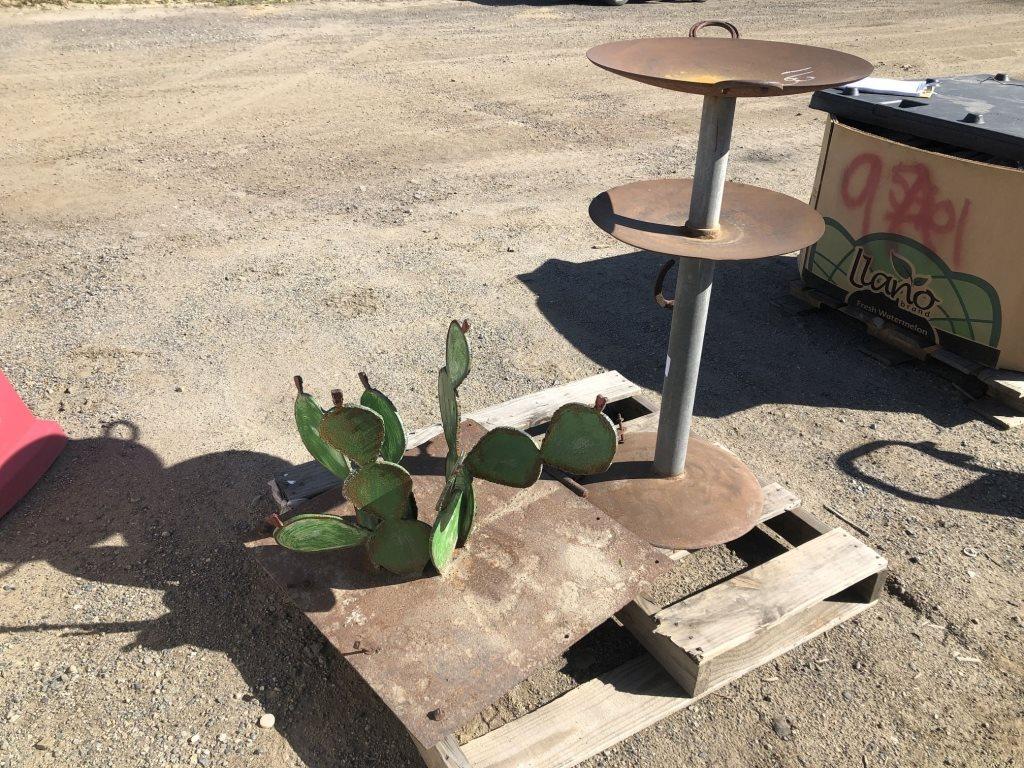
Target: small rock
(178,389)
(267,721)
(782,728)
(45,744)
(222,738)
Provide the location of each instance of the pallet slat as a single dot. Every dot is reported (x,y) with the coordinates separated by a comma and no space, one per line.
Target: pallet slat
(602,712)
(722,617)
(1005,386)
(589,719)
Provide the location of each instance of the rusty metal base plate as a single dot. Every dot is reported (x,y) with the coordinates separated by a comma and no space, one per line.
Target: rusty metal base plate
(542,568)
(755,223)
(717,498)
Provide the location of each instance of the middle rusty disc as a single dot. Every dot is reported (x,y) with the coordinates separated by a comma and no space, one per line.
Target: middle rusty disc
(717,498)
(755,223)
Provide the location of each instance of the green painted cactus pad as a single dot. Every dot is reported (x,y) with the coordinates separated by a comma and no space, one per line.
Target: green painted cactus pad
(506,456)
(394,432)
(401,546)
(319,533)
(467,509)
(580,440)
(308,415)
(445,533)
(381,489)
(354,430)
(456,354)
(450,416)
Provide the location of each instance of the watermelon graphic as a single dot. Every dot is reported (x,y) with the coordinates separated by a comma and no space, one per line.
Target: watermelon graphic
(898,276)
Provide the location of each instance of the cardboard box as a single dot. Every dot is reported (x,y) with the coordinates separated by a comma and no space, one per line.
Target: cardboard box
(932,243)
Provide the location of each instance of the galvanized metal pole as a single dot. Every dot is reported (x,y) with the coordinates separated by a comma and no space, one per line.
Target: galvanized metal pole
(693,288)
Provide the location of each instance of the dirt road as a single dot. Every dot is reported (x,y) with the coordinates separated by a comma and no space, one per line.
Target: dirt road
(196,203)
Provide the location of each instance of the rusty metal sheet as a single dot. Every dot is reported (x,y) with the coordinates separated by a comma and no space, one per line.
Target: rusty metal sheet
(729,67)
(542,568)
(755,223)
(716,499)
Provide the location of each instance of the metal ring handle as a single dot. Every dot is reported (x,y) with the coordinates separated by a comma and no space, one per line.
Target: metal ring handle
(659,286)
(730,28)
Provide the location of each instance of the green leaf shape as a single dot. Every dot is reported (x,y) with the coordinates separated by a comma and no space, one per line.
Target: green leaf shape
(308,415)
(467,510)
(448,399)
(401,546)
(457,357)
(382,489)
(354,430)
(319,533)
(580,440)
(445,533)
(393,448)
(506,456)
(901,266)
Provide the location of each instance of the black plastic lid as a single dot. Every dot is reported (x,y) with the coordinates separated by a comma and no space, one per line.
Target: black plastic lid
(979,113)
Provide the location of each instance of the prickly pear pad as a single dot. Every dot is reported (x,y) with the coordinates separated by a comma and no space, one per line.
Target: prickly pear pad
(580,440)
(383,489)
(354,430)
(394,432)
(448,399)
(506,456)
(445,533)
(319,533)
(401,546)
(457,356)
(308,415)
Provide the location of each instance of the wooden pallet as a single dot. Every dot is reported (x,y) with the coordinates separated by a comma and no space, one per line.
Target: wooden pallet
(810,578)
(998,395)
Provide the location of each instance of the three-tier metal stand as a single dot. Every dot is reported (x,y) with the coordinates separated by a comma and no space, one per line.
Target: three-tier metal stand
(676,490)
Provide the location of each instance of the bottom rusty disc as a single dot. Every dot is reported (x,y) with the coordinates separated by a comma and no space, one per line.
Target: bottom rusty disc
(716,499)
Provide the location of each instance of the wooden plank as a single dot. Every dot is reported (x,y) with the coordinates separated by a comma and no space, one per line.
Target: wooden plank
(725,615)
(307,480)
(588,719)
(602,712)
(445,754)
(777,499)
(1008,386)
(639,618)
(997,413)
(781,638)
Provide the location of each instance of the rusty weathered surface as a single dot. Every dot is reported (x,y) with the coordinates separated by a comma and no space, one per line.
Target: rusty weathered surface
(542,569)
(726,67)
(716,499)
(755,223)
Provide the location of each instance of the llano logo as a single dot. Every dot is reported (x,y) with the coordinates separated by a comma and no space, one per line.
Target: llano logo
(906,288)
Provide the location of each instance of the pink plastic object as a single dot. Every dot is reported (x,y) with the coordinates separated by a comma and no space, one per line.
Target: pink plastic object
(28,446)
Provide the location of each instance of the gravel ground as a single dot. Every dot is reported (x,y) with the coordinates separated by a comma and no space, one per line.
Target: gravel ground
(199,202)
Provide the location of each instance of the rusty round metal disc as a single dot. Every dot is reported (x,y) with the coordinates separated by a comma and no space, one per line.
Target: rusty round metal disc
(717,498)
(755,222)
(725,67)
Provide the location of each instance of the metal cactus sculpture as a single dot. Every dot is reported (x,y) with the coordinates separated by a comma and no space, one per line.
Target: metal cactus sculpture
(363,445)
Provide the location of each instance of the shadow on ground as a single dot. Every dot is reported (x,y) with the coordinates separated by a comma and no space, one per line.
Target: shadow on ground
(753,354)
(109,511)
(993,491)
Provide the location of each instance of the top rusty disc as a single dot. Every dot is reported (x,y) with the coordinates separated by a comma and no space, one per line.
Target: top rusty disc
(716,66)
